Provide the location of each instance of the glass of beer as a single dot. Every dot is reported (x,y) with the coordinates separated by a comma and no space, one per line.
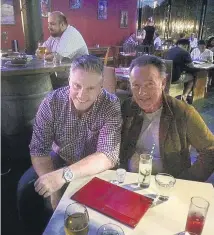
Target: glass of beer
(76,221)
(197,215)
(41,48)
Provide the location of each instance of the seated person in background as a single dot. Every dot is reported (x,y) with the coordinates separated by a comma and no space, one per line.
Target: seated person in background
(182,36)
(201,53)
(76,134)
(152,117)
(130,43)
(157,41)
(64,39)
(210,44)
(182,63)
(193,41)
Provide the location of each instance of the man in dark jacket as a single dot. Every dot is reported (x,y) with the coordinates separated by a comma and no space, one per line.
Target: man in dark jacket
(152,117)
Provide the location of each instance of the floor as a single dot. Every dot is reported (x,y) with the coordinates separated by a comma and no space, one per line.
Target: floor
(19,164)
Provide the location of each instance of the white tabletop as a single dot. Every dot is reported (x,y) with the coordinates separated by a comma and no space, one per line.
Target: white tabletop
(167,218)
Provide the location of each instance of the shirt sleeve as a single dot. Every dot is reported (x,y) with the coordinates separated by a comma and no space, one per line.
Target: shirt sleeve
(47,44)
(43,130)
(187,58)
(110,135)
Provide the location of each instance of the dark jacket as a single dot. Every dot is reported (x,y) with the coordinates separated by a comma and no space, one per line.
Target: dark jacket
(181,126)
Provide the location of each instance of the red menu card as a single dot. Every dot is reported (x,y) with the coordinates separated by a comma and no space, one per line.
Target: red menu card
(121,204)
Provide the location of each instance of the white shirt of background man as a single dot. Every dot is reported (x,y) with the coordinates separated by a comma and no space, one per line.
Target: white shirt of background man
(68,44)
(207,55)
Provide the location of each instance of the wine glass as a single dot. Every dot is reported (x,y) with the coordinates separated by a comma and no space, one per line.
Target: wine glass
(76,220)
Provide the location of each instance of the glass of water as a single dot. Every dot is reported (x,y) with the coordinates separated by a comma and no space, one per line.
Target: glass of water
(121,174)
(145,170)
(164,183)
(110,229)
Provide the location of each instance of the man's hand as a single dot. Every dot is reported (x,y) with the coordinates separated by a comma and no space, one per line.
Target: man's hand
(49,183)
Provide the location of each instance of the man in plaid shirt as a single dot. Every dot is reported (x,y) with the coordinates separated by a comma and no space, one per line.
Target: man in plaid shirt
(80,125)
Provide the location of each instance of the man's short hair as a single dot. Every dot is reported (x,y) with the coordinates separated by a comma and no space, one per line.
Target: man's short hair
(201,42)
(88,63)
(183,42)
(149,60)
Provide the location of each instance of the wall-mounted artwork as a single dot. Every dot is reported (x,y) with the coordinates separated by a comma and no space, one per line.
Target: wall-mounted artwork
(45,7)
(7,12)
(124,19)
(75,4)
(102,9)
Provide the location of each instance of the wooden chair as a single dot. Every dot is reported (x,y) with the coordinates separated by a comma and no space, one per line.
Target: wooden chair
(110,80)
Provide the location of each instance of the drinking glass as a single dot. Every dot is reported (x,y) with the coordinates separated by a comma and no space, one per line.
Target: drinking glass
(145,170)
(57,59)
(76,221)
(110,229)
(197,214)
(187,233)
(121,174)
(164,183)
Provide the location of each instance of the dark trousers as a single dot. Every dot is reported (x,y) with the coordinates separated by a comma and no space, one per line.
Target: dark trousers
(34,213)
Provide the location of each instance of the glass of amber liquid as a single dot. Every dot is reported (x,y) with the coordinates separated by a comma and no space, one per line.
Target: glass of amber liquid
(197,215)
(76,220)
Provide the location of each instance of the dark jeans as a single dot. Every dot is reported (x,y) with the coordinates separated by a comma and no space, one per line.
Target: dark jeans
(33,211)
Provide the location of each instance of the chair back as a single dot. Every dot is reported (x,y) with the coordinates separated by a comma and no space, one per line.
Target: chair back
(110,80)
(144,49)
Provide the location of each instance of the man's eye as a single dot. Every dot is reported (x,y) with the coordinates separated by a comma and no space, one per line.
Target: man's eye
(76,86)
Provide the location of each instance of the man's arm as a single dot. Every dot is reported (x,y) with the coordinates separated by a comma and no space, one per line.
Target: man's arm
(201,138)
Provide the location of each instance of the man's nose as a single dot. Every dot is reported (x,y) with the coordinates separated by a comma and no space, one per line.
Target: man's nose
(142,91)
(82,94)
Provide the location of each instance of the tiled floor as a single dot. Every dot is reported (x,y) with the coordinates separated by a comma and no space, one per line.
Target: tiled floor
(9,182)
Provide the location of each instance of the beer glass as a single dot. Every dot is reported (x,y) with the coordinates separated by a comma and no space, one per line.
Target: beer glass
(76,221)
(197,215)
(41,49)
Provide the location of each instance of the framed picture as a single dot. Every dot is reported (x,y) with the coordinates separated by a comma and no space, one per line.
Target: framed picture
(75,4)
(45,7)
(102,9)
(7,12)
(124,19)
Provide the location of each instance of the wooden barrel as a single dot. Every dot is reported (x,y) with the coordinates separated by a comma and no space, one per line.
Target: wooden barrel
(20,99)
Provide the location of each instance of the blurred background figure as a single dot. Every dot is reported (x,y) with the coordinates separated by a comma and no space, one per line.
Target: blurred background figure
(182,35)
(157,41)
(201,53)
(130,43)
(210,44)
(150,30)
(193,41)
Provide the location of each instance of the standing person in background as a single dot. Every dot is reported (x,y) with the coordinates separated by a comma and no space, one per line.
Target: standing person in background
(193,41)
(64,39)
(201,53)
(150,30)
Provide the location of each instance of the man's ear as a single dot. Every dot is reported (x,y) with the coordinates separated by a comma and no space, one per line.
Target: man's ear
(164,83)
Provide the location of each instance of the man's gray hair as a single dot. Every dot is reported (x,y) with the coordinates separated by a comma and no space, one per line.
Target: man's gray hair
(88,63)
(149,60)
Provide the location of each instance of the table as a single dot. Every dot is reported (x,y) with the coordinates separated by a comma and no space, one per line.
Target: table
(167,218)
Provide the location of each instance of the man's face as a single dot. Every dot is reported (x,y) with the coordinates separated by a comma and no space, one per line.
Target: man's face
(54,26)
(147,86)
(201,47)
(84,88)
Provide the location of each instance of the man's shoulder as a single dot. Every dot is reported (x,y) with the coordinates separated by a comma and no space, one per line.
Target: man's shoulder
(179,108)
(108,99)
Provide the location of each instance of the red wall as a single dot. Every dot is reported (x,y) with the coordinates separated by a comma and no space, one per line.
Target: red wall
(94,31)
